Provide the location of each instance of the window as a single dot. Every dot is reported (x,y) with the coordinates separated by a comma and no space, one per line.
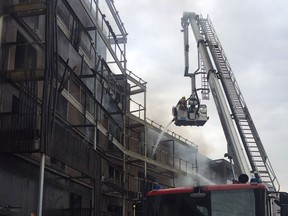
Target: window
(241,203)
(26,55)
(75,200)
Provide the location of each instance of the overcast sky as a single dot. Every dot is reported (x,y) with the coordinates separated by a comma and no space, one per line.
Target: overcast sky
(254,35)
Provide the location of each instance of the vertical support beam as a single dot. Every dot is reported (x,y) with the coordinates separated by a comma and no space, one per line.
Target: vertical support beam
(95,176)
(95,135)
(1,27)
(124,129)
(124,183)
(41,184)
(93,198)
(173,158)
(124,177)
(1,54)
(145,144)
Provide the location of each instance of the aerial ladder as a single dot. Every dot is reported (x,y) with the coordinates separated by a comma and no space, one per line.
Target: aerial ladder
(243,141)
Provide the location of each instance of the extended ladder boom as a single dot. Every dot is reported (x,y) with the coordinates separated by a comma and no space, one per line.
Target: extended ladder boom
(233,112)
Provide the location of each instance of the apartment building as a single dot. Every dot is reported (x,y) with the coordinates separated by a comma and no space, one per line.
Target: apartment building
(73,141)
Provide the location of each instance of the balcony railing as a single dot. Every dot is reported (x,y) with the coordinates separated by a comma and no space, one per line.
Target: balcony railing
(18,133)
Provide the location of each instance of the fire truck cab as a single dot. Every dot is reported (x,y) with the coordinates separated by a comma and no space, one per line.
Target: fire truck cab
(215,200)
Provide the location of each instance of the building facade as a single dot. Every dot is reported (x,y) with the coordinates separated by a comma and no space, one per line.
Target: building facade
(73,141)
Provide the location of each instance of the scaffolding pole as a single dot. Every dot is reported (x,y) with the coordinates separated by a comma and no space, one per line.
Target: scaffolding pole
(41,184)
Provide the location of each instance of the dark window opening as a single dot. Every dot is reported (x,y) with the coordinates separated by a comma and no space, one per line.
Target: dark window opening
(116,210)
(75,200)
(15,104)
(26,55)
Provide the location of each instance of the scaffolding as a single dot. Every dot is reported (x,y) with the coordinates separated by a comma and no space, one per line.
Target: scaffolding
(67,106)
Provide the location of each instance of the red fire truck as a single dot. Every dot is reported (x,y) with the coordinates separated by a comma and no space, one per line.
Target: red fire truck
(216,200)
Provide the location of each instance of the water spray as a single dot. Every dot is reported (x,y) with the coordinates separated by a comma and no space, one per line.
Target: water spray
(160,136)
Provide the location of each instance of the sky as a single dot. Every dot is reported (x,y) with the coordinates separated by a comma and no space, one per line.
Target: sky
(254,35)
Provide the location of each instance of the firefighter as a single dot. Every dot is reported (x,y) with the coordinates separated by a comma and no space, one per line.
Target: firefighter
(182,104)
